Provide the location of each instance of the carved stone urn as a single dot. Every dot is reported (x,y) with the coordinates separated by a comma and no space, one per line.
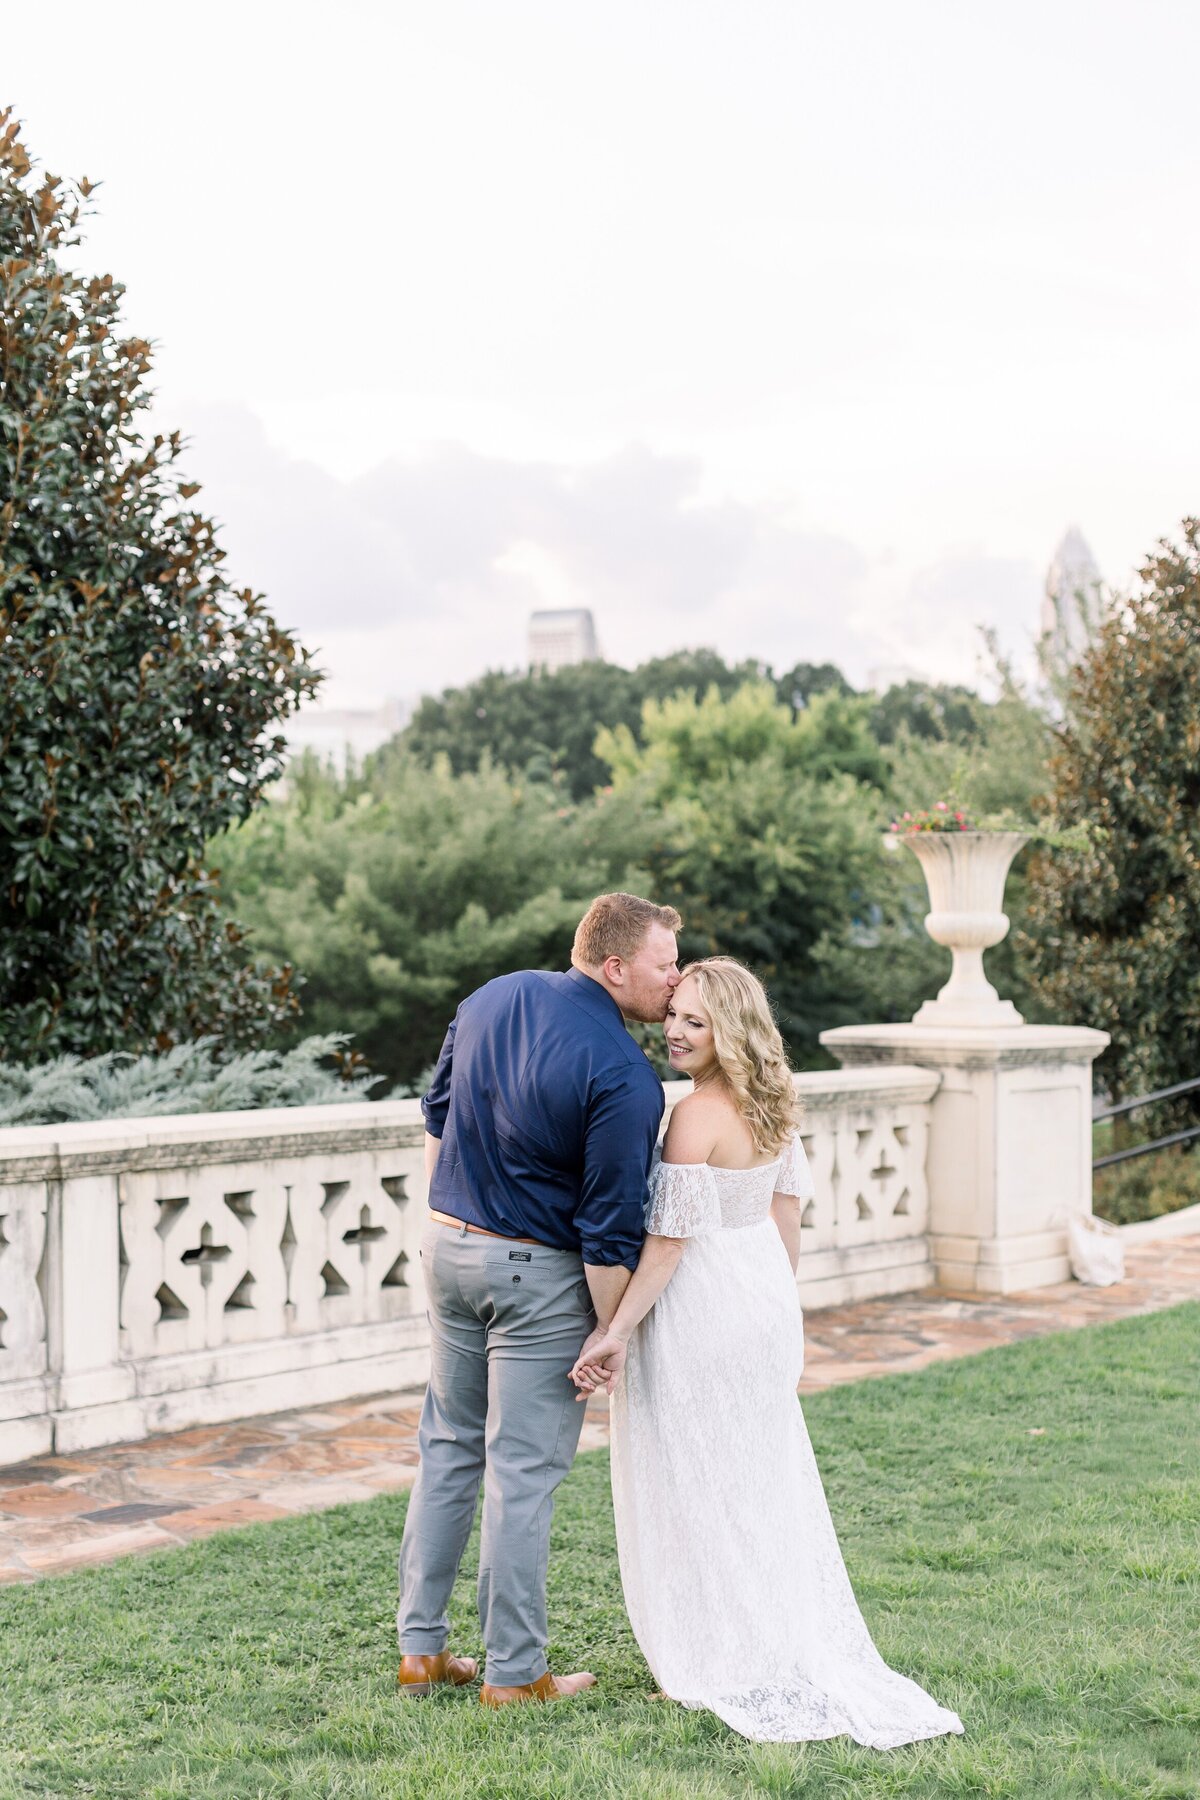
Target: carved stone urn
(965,872)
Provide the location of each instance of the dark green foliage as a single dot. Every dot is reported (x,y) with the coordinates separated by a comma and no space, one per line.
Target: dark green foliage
(1113,933)
(880,967)
(772,831)
(543,724)
(764,857)
(1020,1528)
(540,724)
(927,710)
(804,681)
(990,756)
(139,694)
(400,891)
(761,865)
(992,762)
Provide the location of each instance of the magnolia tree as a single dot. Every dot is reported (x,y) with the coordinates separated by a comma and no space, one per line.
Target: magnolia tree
(1113,931)
(140,694)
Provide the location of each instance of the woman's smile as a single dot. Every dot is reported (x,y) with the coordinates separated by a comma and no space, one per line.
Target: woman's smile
(687,1030)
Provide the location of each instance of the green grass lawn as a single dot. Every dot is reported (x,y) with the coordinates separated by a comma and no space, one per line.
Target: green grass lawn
(1022,1527)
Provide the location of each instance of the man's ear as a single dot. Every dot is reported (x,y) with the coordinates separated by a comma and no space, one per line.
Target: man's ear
(614,970)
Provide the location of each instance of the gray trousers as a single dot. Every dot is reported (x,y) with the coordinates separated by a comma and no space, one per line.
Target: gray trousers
(507,1322)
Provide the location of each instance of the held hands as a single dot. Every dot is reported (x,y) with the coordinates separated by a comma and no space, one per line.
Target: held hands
(600,1362)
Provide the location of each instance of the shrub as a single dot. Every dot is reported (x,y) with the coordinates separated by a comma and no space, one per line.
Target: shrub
(1113,932)
(188,1079)
(1147,1187)
(141,695)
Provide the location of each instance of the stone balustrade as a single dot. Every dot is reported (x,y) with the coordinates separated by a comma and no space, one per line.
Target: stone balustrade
(161,1273)
(157,1273)
(866,1230)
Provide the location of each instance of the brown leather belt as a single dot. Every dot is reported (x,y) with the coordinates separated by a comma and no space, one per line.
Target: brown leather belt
(461,1225)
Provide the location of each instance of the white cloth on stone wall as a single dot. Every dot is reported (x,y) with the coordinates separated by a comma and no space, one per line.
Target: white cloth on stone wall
(734,1579)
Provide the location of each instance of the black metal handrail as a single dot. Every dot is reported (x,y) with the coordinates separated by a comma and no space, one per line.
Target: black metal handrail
(1162,1143)
(1124,1106)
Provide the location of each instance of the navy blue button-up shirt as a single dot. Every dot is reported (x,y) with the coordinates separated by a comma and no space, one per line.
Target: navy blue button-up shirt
(548,1115)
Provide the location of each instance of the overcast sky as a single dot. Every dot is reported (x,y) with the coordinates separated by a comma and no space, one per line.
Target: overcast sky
(803,330)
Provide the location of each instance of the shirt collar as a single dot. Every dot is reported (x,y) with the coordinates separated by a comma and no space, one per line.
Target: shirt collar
(596,997)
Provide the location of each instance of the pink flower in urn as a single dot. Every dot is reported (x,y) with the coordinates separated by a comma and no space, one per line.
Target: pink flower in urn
(937,817)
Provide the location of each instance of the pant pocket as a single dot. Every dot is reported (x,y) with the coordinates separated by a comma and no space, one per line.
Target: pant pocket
(537,1299)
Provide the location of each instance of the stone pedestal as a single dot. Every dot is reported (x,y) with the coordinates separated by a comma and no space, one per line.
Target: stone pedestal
(1010,1152)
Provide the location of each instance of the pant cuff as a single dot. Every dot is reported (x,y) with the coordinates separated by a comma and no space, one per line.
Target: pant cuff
(422,1643)
(513,1674)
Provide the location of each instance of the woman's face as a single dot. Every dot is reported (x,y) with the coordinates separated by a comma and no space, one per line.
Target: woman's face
(688,1032)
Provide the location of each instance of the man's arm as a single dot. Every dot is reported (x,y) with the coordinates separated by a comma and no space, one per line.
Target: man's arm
(690,1139)
(622,1126)
(607,1286)
(618,1147)
(602,1358)
(436,1104)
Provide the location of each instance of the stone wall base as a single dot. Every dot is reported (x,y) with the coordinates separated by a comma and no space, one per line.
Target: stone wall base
(836,1277)
(1000,1266)
(173,1393)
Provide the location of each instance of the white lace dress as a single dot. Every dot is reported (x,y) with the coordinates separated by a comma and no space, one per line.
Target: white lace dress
(733,1577)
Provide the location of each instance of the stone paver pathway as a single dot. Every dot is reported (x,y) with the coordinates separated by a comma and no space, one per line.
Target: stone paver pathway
(63,1512)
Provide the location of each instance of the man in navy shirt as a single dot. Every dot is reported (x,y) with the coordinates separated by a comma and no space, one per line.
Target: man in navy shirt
(541,1122)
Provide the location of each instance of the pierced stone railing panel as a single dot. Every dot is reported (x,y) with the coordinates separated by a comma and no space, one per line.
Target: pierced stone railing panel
(880,1187)
(200,1256)
(818,1218)
(23,1347)
(866,1229)
(229,1252)
(352,1225)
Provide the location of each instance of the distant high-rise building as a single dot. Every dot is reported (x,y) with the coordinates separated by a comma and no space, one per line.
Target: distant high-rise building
(1073,606)
(561,636)
(890,675)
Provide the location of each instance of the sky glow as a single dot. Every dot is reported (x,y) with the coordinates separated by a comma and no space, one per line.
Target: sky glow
(800,330)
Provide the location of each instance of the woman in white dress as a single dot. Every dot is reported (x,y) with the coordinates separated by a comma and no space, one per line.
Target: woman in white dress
(734,1581)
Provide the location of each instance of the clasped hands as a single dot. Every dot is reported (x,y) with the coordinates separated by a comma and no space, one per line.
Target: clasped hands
(600,1362)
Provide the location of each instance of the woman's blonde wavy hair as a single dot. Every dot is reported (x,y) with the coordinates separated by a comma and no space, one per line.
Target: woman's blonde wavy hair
(748,1049)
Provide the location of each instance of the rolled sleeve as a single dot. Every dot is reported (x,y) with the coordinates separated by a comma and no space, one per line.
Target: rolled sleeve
(436,1104)
(621,1132)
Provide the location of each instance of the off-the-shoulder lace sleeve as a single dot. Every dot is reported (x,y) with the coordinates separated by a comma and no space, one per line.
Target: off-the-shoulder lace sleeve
(684,1201)
(795,1176)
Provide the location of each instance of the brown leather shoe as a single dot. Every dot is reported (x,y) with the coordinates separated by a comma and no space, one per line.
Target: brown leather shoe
(546,1687)
(419,1675)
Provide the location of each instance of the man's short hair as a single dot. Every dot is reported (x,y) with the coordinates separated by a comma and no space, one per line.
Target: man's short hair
(616,925)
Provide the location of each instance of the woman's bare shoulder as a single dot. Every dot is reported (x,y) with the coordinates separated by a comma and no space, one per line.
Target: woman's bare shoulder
(695,1127)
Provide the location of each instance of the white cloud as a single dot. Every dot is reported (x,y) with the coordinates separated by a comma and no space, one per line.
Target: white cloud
(920,270)
(423,571)
(946,604)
